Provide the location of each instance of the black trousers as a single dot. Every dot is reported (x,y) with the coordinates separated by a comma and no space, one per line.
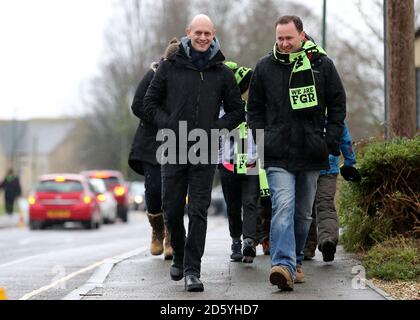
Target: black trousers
(177,180)
(241,193)
(9,204)
(153,188)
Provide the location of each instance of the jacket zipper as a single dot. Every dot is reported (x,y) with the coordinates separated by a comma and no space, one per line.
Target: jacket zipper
(198,98)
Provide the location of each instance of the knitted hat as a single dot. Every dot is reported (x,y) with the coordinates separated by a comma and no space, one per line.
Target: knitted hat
(243,75)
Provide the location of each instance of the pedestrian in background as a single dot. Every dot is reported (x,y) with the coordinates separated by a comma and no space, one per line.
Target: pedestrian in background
(293,91)
(12,190)
(240,189)
(143,161)
(324,231)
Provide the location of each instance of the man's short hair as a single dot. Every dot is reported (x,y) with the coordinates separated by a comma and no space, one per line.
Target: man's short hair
(287,19)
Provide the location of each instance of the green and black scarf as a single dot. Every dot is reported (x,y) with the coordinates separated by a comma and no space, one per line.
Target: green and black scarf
(302,86)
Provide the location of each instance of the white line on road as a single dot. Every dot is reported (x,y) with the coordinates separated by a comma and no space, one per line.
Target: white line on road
(10,263)
(101,276)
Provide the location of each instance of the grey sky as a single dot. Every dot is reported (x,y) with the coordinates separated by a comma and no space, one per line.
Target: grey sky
(49,48)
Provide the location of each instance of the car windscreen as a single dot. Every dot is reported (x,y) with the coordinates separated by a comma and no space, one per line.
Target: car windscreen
(98,185)
(111,182)
(54,186)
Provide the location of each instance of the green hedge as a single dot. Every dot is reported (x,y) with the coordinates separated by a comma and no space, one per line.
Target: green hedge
(387,200)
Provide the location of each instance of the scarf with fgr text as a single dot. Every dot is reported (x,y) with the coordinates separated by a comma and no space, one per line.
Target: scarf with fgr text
(302,90)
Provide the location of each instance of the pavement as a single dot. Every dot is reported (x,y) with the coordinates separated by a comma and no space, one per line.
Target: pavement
(9,221)
(146,277)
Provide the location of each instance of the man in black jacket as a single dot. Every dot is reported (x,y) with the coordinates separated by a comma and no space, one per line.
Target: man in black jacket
(188,88)
(294,91)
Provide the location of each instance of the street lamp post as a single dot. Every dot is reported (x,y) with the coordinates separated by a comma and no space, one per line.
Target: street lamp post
(324,25)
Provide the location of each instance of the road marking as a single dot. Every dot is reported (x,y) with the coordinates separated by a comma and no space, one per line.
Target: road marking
(10,263)
(96,277)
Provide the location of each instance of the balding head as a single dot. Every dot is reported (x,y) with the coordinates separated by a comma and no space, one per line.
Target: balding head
(201,32)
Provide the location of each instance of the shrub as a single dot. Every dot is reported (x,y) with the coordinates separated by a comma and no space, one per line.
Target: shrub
(387,200)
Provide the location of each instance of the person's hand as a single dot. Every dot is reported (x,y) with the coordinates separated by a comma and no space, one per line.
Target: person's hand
(334,149)
(350,173)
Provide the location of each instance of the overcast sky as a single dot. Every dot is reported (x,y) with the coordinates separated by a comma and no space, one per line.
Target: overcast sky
(49,48)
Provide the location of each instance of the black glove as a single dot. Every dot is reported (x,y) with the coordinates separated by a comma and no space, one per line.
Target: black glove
(350,173)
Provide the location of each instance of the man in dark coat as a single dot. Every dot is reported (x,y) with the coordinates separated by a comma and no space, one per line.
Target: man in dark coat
(12,190)
(293,91)
(189,88)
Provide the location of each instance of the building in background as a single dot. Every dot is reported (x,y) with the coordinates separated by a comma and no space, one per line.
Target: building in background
(39,146)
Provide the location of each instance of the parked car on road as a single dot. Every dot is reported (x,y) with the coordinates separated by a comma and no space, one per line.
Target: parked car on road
(60,198)
(136,196)
(106,200)
(115,182)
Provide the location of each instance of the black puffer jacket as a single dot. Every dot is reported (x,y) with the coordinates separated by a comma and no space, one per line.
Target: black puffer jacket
(181,92)
(294,141)
(144,144)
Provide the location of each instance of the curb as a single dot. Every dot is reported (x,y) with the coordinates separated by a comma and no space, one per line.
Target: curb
(378,290)
(99,276)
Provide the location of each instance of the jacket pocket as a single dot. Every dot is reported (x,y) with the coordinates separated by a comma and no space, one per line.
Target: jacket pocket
(275,143)
(314,146)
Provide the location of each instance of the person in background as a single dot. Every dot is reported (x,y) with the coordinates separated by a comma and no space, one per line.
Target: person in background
(12,190)
(325,227)
(142,160)
(240,190)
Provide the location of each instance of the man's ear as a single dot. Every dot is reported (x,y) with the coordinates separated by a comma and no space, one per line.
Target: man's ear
(188,32)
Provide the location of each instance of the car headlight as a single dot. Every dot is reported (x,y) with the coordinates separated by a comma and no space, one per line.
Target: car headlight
(138,199)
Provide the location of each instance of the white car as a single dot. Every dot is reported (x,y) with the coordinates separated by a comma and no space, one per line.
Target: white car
(106,200)
(136,196)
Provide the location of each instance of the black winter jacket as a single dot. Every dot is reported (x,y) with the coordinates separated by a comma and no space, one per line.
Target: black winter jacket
(144,146)
(12,189)
(181,92)
(294,141)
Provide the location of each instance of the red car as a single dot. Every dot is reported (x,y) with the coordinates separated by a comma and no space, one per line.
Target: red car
(60,198)
(115,182)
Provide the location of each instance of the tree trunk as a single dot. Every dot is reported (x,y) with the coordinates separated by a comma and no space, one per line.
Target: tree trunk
(400,68)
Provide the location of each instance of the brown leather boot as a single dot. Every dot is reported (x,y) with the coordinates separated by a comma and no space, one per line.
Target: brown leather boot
(168,252)
(156,221)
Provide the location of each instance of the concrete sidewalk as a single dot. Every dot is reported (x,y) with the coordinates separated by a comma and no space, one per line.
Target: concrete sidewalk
(9,221)
(145,277)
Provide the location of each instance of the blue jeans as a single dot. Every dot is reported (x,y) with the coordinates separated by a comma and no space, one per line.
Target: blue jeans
(292,197)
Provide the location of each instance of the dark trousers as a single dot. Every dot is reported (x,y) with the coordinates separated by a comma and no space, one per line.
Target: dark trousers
(264,219)
(325,223)
(9,204)
(241,193)
(153,188)
(197,180)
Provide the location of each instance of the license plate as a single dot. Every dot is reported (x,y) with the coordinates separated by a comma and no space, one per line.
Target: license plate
(58,214)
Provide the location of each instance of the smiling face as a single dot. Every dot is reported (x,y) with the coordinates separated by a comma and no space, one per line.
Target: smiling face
(288,38)
(201,32)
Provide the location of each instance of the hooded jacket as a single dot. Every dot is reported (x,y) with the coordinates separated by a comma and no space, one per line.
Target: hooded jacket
(144,146)
(294,141)
(181,92)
